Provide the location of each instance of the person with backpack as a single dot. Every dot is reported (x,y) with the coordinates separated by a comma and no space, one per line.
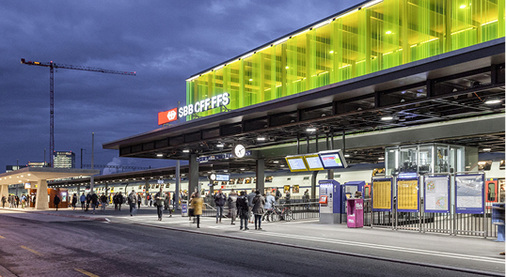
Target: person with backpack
(258,209)
(132,201)
(243,210)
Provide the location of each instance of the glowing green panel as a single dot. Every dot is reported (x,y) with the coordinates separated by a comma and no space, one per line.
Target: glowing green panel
(356,43)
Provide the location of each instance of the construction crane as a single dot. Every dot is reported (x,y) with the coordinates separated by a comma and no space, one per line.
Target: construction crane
(52,66)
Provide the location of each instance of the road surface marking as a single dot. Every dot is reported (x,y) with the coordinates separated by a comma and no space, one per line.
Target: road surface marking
(391,248)
(85,272)
(31,250)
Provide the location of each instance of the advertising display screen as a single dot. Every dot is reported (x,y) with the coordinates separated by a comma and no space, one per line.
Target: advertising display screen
(469,194)
(437,194)
(332,159)
(313,162)
(296,163)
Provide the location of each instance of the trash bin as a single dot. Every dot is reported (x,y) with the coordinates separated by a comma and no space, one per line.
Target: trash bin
(184,208)
(498,219)
(355,212)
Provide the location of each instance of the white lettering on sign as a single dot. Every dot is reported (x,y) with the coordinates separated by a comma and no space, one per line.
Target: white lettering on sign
(216,101)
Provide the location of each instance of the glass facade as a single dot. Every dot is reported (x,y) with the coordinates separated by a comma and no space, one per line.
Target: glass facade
(379,35)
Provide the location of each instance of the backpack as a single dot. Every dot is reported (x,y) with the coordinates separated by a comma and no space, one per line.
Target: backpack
(131,198)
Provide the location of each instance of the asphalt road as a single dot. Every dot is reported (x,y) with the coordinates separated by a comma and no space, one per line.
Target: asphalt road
(73,247)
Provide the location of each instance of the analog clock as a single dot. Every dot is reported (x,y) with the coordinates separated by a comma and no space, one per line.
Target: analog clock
(239,151)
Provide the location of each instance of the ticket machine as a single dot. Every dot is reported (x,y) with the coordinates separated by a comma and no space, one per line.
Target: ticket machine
(331,210)
(348,191)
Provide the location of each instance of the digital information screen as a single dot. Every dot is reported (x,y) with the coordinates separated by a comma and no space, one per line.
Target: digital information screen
(222,177)
(296,163)
(331,160)
(313,162)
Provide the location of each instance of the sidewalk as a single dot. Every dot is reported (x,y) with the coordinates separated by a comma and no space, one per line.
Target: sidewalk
(471,253)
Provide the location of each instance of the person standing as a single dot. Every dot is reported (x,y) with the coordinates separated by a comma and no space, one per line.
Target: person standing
(23,201)
(56,201)
(258,209)
(139,200)
(3,201)
(132,201)
(232,199)
(115,201)
(219,200)
(17,201)
(83,200)
(159,200)
(250,197)
(74,201)
(243,210)
(197,204)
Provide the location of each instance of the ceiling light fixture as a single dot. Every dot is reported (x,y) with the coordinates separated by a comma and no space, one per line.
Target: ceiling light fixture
(159,155)
(492,101)
(261,139)
(186,151)
(487,149)
(387,118)
(311,129)
(220,145)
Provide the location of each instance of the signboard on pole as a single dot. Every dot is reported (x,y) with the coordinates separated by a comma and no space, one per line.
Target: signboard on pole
(470,194)
(437,194)
(381,194)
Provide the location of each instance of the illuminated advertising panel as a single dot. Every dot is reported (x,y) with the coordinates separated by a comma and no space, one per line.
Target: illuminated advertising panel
(313,162)
(332,159)
(167,116)
(296,163)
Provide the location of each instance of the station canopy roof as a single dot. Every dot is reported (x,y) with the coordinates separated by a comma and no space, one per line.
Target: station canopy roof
(465,86)
(35,174)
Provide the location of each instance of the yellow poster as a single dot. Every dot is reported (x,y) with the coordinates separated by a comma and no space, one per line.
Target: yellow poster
(407,195)
(382,195)
(287,188)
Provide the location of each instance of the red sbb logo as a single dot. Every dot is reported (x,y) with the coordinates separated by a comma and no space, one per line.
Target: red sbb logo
(167,116)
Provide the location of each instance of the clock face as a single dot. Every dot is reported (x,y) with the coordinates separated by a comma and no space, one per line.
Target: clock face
(239,151)
(212,177)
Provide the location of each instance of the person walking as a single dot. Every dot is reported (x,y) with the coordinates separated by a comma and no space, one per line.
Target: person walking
(120,200)
(243,210)
(3,201)
(83,200)
(197,204)
(232,199)
(56,201)
(74,201)
(258,209)
(94,201)
(17,201)
(166,203)
(132,201)
(219,200)
(159,200)
(23,201)
(139,200)
(103,201)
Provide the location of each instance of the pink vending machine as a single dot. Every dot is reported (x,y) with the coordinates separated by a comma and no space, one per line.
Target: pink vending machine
(355,212)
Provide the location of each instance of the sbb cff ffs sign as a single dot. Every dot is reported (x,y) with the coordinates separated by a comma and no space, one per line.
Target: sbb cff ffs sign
(167,116)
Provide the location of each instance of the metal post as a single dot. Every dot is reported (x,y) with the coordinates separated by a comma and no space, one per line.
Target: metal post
(178,185)
(260,175)
(92,178)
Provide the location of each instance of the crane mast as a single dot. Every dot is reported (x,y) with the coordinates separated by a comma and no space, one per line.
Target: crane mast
(52,66)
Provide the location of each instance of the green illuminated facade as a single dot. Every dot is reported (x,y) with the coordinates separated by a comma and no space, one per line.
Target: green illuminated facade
(379,35)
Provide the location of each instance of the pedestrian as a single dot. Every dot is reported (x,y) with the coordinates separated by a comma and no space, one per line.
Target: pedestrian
(258,209)
(33,200)
(190,209)
(120,200)
(197,204)
(4,199)
(270,201)
(94,201)
(74,201)
(278,194)
(83,200)
(132,200)
(250,197)
(159,200)
(243,210)
(88,201)
(103,201)
(115,201)
(232,199)
(56,201)
(23,201)
(17,201)
(287,197)
(139,200)
(166,203)
(219,200)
